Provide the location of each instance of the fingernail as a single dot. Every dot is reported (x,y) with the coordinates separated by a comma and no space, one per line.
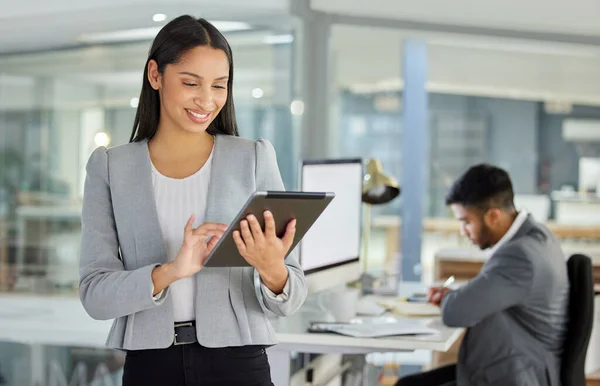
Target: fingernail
(267,213)
(250,217)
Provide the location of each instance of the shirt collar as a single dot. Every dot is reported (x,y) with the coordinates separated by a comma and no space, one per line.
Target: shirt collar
(514,228)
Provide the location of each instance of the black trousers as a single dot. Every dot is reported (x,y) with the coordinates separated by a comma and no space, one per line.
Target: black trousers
(195,365)
(442,376)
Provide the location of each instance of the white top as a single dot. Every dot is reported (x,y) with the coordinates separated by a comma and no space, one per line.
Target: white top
(176,200)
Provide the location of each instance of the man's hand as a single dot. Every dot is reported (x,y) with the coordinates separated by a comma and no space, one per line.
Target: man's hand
(436,294)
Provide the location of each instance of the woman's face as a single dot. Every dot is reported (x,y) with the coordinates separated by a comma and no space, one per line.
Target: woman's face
(192,91)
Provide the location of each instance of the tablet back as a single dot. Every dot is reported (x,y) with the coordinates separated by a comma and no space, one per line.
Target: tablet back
(305,207)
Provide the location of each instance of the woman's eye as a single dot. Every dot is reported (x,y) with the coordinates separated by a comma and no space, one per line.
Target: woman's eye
(189,84)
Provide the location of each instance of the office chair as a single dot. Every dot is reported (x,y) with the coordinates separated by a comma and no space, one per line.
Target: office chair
(581,314)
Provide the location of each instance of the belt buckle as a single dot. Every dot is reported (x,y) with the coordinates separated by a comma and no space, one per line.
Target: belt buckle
(186,324)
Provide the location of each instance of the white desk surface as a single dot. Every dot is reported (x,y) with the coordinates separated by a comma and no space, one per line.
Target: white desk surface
(292,334)
(49,211)
(49,320)
(61,320)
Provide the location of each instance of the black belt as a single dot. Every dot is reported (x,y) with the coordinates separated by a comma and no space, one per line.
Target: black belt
(185,333)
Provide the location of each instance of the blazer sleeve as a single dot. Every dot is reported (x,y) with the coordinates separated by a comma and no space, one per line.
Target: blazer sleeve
(106,289)
(506,282)
(268,177)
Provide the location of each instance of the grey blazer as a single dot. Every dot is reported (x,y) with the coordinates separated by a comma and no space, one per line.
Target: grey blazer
(122,244)
(516,313)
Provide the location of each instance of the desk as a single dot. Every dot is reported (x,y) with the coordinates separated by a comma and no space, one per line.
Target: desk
(27,213)
(292,336)
(448,226)
(465,263)
(62,321)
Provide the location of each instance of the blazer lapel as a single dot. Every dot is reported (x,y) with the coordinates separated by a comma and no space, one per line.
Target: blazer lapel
(149,241)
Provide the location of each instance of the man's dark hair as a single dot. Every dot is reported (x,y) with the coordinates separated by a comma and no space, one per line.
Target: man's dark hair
(483,186)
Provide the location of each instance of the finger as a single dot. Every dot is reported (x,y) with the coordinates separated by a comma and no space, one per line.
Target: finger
(206,233)
(213,226)
(430,295)
(257,232)
(246,234)
(290,232)
(433,291)
(269,224)
(190,223)
(239,243)
(212,243)
(443,293)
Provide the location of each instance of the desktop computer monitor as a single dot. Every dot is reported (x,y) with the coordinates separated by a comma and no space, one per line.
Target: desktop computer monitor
(330,250)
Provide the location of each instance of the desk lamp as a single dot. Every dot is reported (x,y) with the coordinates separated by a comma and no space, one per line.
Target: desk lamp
(378,188)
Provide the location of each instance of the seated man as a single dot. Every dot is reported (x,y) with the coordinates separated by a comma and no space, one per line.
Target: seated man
(515,309)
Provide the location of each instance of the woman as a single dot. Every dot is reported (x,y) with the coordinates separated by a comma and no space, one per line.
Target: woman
(154,209)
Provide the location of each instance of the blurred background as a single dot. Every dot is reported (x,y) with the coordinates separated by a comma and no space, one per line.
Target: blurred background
(513,83)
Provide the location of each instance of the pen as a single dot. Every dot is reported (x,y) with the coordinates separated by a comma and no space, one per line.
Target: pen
(448,282)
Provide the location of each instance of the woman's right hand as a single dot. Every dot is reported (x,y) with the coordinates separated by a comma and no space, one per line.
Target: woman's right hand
(197,244)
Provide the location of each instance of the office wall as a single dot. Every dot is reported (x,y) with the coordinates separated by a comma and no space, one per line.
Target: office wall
(520,136)
(559,159)
(512,138)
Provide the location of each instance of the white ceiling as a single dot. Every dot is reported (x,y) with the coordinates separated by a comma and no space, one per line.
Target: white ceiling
(41,24)
(364,58)
(578,17)
(469,65)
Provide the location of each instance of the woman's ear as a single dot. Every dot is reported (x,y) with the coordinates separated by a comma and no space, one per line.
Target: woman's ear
(154,76)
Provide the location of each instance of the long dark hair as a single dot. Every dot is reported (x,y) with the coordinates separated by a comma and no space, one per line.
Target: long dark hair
(175,39)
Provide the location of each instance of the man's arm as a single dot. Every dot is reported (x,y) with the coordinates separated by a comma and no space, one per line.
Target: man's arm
(506,282)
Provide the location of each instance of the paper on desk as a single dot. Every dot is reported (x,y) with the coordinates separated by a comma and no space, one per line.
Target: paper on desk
(410,308)
(369,306)
(376,330)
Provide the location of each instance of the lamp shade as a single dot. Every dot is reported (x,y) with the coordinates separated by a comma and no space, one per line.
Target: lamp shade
(378,187)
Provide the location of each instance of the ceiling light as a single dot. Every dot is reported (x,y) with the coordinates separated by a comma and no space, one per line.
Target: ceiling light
(278,39)
(158,17)
(102,139)
(257,93)
(151,32)
(229,26)
(526,47)
(297,107)
(120,36)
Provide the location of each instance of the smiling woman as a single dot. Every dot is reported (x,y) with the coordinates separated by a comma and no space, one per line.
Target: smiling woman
(187,74)
(154,209)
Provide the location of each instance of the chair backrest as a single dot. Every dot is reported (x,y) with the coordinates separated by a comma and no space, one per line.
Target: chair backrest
(581,315)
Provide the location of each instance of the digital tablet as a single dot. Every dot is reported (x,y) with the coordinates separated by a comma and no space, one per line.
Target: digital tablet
(305,207)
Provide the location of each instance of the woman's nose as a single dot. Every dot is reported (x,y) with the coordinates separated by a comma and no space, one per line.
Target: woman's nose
(205,101)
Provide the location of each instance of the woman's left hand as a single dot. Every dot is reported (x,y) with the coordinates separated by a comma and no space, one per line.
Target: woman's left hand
(264,250)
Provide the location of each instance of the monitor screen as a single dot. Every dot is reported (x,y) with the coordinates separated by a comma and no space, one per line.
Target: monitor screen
(335,238)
